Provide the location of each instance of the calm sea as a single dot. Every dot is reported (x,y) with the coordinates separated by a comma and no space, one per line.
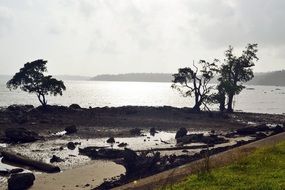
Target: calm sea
(262,99)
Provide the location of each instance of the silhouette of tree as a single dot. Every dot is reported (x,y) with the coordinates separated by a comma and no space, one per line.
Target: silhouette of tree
(195,81)
(233,73)
(31,79)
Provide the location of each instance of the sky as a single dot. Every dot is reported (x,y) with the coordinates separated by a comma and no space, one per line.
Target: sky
(91,37)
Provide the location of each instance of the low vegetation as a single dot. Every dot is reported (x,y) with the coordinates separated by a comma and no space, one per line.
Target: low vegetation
(263,170)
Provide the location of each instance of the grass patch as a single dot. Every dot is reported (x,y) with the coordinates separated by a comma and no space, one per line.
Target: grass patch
(262,170)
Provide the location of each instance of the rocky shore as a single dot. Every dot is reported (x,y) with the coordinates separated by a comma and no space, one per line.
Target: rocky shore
(145,140)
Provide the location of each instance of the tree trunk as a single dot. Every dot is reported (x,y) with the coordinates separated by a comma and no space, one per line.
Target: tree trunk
(42,100)
(197,105)
(222,102)
(230,103)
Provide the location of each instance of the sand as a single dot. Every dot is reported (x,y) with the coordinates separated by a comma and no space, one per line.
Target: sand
(85,177)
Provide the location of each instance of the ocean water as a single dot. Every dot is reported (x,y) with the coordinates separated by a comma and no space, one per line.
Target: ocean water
(261,99)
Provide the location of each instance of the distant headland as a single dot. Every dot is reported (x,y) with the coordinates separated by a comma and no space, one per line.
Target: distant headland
(274,78)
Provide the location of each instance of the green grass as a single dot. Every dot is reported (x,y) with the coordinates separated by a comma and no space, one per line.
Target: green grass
(262,170)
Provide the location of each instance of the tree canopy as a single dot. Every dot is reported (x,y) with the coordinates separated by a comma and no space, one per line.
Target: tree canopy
(31,79)
(235,71)
(194,81)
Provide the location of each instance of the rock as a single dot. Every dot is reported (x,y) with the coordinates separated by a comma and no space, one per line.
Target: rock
(186,139)
(260,135)
(71,145)
(106,153)
(230,135)
(101,153)
(180,144)
(252,130)
(56,159)
(89,151)
(4,172)
(71,129)
(135,131)
(111,140)
(213,139)
(181,132)
(122,144)
(16,170)
(21,135)
(200,138)
(21,181)
(278,129)
(152,131)
(130,159)
(74,106)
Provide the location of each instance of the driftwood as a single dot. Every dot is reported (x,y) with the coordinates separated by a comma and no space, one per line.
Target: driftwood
(175,148)
(17,159)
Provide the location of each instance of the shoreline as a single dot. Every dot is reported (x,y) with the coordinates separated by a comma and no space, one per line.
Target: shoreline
(95,125)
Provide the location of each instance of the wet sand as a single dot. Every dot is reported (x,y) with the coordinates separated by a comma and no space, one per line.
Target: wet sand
(87,177)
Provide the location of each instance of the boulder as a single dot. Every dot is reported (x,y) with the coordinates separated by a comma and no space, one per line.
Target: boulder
(71,129)
(152,131)
(21,135)
(56,159)
(74,106)
(21,181)
(135,131)
(71,145)
(181,132)
(111,140)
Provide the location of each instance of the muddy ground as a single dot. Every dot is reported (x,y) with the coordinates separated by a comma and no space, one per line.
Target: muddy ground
(106,122)
(95,126)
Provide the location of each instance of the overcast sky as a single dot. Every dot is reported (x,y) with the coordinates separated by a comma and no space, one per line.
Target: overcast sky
(90,37)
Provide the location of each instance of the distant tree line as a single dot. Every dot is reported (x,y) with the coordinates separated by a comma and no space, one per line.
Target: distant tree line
(233,72)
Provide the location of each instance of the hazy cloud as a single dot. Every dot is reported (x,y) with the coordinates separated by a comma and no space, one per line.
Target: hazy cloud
(110,36)
(6,20)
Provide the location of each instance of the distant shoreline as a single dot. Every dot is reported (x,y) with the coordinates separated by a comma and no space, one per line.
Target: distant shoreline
(274,78)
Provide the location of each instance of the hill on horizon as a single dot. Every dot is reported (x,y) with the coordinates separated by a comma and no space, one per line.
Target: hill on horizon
(274,78)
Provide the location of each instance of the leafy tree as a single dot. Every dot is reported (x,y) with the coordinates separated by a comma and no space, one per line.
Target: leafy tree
(196,82)
(31,79)
(236,71)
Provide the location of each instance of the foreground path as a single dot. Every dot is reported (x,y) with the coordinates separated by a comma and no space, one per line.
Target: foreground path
(221,159)
(85,177)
